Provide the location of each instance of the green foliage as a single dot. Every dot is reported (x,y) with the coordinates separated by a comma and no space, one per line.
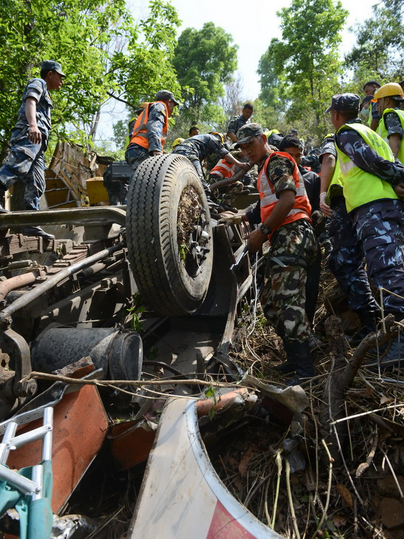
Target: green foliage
(300,72)
(145,68)
(204,60)
(72,32)
(136,311)
(102,51)
(380,42)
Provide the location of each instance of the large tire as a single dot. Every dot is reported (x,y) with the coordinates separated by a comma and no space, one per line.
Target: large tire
(171,273)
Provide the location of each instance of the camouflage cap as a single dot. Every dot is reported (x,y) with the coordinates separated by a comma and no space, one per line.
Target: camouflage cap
(247,133)
(166,95)
(51,65)
(345,102)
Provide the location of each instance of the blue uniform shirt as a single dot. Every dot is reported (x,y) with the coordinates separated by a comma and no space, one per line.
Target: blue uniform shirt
(37,89)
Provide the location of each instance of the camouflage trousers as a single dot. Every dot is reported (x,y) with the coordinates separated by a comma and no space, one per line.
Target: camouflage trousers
(197,166)
(294,251)
(346,260)
(380,228)
(134,156)
(25,162)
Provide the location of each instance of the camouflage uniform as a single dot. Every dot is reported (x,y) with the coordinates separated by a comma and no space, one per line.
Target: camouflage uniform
(26,159)
(346,257)
(284,294)
(236,123)
(294,250)
(198,148)
(379,224)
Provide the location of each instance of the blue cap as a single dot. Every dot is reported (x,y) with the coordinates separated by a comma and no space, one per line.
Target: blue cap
(51,65)
(166,95)
(345,102)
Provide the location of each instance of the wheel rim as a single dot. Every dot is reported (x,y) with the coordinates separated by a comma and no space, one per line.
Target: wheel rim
(194,233)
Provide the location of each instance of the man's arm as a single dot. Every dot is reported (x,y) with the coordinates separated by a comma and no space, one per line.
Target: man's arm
(233,161)
(232,136)
(394,131)
(282,208)
(155,124)
(35,135)
(231,130)
(364,157)
(327,170)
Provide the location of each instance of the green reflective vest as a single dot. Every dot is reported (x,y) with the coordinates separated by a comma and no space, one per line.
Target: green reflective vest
(382,130)
(361,187)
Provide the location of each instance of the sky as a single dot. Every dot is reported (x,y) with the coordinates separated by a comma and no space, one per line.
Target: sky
(252,28)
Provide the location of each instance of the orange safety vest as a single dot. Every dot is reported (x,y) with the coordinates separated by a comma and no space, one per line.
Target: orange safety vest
(223,169)
(139,133)
(301,208)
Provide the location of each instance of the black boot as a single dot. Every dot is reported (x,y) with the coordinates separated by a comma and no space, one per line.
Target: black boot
(298,354)
(368,325)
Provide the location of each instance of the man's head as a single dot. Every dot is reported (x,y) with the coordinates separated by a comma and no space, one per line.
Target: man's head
(169,100)
(370,87)
(193,131)
(293,146)
(247,111)
(388,96)
(52,74)
(344,107)
(252,141)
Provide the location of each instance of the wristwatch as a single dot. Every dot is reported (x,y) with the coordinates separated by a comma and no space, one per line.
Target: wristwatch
(265,229)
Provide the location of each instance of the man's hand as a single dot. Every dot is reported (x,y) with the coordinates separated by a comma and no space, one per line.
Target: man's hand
(244,166)
(229,218)
(35,136)
(325,208)
(399,190)
(256,240)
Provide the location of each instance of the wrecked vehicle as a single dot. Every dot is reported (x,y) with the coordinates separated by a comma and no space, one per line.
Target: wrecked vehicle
(76,337)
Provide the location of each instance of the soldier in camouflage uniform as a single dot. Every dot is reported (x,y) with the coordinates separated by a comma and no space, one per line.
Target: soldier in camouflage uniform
(199,147)
(237,122)
(285,211)
(373,187)
(346,260)
(29,141)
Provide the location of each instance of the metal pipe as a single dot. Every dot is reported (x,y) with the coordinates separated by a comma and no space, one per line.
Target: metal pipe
(95,215)
(21,483)
(47,439)
(16,282)
(26,299)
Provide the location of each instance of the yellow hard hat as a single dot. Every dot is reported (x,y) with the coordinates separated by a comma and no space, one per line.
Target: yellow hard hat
(220,135)
(391,89)
(177,141)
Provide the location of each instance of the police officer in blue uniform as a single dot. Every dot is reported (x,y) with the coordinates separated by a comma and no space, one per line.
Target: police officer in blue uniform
(29,141)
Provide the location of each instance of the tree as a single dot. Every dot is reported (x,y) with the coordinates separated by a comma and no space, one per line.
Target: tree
(305,63)
(102,51)
(205,60)
(145,67)
(379,43)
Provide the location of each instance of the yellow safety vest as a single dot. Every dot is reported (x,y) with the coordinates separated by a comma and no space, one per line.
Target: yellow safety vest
(382,130)
(361,187)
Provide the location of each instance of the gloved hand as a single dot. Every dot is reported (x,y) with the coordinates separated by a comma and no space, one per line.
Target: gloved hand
(229,218)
